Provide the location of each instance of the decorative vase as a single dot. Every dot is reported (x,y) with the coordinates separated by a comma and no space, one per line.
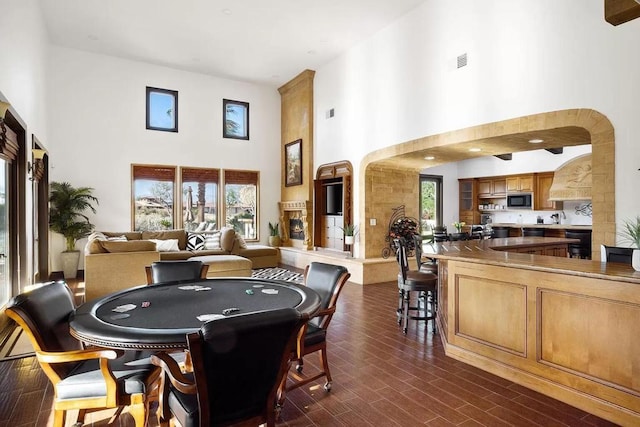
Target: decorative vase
(635,259)
(70,261)
(348,240)
(274,241)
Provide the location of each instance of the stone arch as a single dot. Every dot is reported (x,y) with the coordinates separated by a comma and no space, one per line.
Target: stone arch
(377,169)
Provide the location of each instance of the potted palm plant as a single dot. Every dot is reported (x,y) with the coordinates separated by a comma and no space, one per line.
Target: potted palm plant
(67,207)
(631,234)
(274,234)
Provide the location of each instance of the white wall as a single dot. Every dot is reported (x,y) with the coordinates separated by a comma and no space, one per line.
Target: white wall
(98,130)
(523,58)
(23,71)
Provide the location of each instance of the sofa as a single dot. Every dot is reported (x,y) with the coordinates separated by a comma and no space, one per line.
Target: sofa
(117,260)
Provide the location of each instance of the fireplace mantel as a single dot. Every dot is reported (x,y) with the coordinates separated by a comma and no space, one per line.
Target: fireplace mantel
(302,209)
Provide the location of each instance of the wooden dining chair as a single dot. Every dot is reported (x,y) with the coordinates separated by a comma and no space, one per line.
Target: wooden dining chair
(238,363)
(327,280)
(172,271)
(88,379)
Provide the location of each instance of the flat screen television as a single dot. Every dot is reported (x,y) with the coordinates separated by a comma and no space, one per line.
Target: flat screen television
(333,199)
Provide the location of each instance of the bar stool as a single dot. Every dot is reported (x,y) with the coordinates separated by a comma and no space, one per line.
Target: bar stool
(582,249)
(424,284)
(425,267)
(499,232)
(537,232)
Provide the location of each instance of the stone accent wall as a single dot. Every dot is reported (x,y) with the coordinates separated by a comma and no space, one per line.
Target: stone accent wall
(386,189)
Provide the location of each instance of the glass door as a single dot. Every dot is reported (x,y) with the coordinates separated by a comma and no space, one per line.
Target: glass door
(5,270)
(430,204)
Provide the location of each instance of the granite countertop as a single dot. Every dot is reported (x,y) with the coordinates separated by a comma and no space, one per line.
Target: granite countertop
(556,226)
(488,252)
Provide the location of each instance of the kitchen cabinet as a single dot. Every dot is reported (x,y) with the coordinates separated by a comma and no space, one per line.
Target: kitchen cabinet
(492,187)
(519,183)
(541,199)
(468,202)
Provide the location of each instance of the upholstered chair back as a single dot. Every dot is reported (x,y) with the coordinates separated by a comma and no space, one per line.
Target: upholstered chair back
(171,271)
(239,361)
(324,279)
(44,314)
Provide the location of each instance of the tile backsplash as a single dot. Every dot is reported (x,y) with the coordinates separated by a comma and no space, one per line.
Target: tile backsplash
(575,213)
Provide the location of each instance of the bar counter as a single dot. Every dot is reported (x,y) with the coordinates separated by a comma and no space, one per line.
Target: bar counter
(564,327)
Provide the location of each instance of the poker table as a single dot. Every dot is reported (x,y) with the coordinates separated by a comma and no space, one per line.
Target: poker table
(159,316)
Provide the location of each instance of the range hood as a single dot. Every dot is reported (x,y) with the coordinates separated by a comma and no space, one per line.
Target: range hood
(572,180)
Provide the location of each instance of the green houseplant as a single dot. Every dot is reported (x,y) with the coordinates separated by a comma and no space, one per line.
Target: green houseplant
(349,230)
(67,207)
(274,234)
(631,234)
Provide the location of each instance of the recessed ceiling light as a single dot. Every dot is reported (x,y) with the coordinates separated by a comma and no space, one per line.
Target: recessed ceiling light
(536,141)
(429,158)
(227,11)
(474,150)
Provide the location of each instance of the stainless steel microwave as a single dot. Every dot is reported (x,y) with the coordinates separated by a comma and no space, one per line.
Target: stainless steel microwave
(519,201)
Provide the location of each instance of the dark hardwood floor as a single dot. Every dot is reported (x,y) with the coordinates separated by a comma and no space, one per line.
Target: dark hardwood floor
(380,378)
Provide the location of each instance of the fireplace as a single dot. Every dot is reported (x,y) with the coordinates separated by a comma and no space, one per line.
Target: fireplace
(295,217)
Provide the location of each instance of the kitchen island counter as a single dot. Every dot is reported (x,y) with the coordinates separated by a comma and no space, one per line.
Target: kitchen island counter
(564,327)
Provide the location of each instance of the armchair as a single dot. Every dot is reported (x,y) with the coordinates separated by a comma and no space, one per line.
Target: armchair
(84,379)
(328,280)
(238,362)
(171,271)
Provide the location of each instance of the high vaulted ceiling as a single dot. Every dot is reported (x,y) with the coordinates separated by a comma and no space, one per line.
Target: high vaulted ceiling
(265,41)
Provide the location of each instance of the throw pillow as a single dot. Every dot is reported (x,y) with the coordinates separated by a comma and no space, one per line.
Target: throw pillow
(241,242)
(168,245)
(122,238)
(212,240)
(96,235)
(195,241)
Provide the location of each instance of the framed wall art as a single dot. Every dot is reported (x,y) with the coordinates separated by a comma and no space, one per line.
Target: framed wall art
(162,109)
(235,121)
(293,163)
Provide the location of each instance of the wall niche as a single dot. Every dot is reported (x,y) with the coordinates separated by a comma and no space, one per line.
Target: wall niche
(332,204)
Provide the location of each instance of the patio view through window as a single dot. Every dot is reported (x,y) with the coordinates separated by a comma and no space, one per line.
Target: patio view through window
(163,202)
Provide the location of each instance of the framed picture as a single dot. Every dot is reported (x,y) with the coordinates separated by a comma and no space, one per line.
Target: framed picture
(162,109)
(235,122)
(293,163)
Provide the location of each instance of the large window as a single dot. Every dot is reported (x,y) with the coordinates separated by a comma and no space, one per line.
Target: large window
(241,202)
(200,199)
(153,197)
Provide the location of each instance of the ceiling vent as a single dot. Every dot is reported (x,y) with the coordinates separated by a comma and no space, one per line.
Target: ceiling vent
(462,60)
(572,180)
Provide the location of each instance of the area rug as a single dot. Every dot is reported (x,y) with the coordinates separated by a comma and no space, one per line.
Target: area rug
(277,273)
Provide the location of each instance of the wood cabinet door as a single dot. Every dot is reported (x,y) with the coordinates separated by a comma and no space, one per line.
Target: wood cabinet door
(526,183)
(485,188)
(543,186)
(513,184)
(499,187)
(520,183)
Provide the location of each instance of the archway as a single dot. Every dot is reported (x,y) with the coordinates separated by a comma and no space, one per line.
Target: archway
(386,167)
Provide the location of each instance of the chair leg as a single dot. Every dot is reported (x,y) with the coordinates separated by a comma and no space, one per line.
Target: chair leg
(325,366)
(400,309)
(405,315)
(138,410)
(59,418)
